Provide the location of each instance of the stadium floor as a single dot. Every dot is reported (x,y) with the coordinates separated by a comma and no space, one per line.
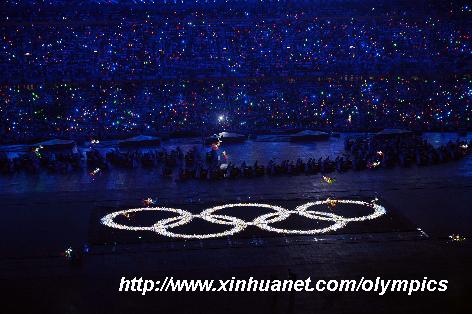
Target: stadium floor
(437,200)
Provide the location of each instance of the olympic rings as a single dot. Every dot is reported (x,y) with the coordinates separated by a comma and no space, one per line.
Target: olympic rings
(263,222)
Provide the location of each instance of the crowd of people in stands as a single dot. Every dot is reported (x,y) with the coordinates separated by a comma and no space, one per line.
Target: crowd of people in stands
(85,69)
(249,107)
(80,45)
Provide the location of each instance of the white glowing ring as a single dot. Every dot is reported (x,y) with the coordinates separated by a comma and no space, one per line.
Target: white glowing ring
(378,210)
(263,222)
(161,227)
(109,220)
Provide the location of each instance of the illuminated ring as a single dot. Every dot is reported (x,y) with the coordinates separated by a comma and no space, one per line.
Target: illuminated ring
(162,227)
(378,209)
(264,221)
(109,220)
